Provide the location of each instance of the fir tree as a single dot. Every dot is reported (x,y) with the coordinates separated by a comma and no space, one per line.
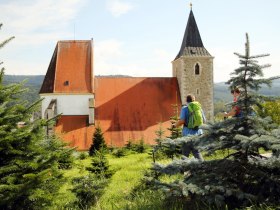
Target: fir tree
(174,131)
(158,152)
(29,173)
(244,177)
(98,141)
(100,165)
(160,134)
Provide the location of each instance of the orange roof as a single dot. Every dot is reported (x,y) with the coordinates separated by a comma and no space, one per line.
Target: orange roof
(126,109)
(70,69)
(131,108)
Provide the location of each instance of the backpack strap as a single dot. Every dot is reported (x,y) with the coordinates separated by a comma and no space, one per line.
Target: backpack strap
(186,116)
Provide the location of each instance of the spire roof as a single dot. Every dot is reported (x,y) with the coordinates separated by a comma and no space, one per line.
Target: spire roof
(192,43)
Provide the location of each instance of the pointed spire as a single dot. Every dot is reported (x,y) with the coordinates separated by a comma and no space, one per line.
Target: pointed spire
(191,37)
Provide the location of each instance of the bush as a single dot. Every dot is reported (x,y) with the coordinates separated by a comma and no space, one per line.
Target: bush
(138,147)
(83,155)
(119,152)
(87,190)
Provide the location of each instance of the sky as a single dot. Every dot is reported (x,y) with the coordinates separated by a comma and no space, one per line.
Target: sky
(138,37)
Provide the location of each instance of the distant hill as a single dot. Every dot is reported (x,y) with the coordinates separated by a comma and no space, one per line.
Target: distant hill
(36,80)
(32,83)
(221,91)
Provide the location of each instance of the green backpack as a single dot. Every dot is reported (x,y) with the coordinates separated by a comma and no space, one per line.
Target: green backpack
(195,115)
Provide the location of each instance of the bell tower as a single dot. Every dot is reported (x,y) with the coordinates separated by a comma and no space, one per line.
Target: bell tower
(193,67)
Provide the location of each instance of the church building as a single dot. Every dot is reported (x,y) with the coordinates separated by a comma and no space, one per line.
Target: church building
(126,108)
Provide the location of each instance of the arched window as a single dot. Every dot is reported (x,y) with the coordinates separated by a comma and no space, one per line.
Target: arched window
(197,69)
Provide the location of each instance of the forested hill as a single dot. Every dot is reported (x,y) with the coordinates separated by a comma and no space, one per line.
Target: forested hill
(221,91)
(32,83)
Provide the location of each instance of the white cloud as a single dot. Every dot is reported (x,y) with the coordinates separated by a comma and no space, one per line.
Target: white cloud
(224,63)
(111,58)
(107,49)
(37,19)
(35,24)
(106,52)
(24,68)
(118,8)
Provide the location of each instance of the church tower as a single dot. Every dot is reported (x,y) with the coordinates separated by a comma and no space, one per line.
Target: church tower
(193,67)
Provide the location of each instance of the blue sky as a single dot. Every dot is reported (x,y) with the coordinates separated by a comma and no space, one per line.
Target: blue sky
(137,37)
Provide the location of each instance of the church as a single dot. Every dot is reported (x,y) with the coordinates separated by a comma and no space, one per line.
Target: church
(125,108)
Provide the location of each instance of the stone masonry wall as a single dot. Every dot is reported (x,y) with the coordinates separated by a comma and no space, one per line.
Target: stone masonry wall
(201,86)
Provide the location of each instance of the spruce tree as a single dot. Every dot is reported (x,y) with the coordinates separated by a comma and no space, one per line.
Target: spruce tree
(175,132)
(100,165)
(160,134)
(244,177)
(29,173)
(98,141)
(158,151)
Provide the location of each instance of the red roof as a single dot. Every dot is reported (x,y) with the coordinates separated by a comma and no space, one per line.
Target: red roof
(70,69)
(132,108)
(126,109)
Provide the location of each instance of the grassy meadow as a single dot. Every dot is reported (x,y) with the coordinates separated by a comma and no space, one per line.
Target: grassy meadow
(124,188)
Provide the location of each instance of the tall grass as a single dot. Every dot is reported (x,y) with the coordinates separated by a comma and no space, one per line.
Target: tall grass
(125,190)
(129,171)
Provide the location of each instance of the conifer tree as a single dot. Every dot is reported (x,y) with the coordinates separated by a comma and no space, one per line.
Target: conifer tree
(244,177)
(174,131)
(100,165)
(29,173)
(160,134)
(98,141)
(158,152)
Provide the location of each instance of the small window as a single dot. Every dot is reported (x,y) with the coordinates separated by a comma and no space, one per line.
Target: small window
(66,83)
(197,91)
(197,70)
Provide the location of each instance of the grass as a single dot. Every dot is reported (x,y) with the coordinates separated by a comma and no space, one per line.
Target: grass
(120,192)
(124,190)
(66,197)
(129,170)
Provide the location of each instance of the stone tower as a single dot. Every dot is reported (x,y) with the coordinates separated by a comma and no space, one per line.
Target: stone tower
(193,67)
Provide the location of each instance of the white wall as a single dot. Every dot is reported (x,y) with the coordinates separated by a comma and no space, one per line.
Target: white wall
(68,104)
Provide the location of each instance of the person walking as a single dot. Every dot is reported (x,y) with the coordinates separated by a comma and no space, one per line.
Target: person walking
(186,119)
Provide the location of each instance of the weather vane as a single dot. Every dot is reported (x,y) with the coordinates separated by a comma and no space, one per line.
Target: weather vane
(191,5)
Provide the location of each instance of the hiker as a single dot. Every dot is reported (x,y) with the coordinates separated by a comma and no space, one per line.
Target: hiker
(235,111)
(190,127)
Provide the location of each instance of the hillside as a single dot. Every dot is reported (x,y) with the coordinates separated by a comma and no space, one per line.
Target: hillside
(33,83)
(221,91)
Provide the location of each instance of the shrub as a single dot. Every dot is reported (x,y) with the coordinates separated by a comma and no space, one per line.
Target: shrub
(119,152)
(87,190)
